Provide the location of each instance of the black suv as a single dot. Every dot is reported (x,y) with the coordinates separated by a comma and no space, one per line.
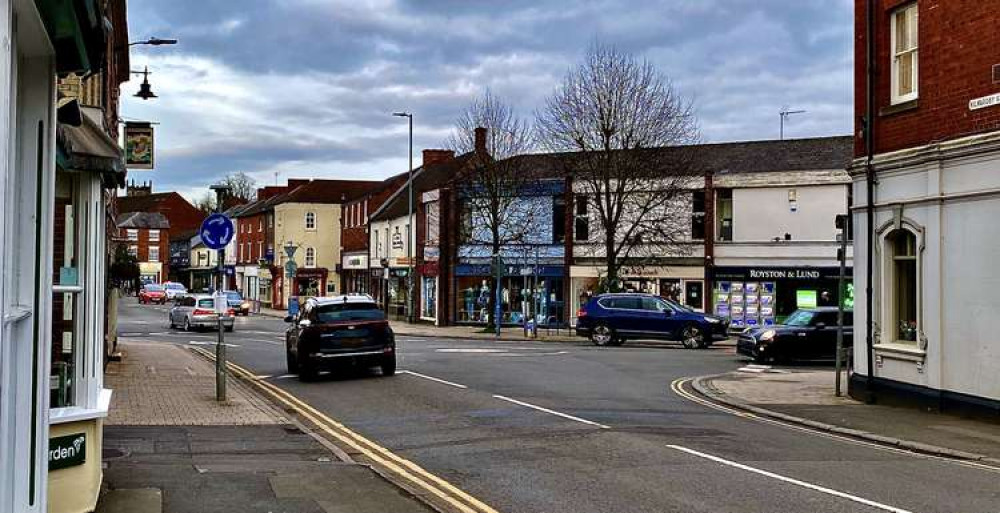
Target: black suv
(342,329)
(809,334)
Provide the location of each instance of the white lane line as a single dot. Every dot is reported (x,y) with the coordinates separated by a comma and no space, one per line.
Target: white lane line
(509,355)
(790,480)
(473,350)
(432,378)
(553,412)
(286,376)
(207,343)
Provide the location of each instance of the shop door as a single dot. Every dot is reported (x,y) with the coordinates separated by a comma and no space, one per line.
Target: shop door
(694,294)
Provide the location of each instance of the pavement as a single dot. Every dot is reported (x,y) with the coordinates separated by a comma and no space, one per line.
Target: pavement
(529,427)
(807,397)
(170,447)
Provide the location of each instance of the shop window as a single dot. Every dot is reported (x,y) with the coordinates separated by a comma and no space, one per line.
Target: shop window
(67,307)
(428,298)
(724,213)
(581,224)
(558,220)
(903,283)
(698,215)
(310,257)
(154,254)
(310,220)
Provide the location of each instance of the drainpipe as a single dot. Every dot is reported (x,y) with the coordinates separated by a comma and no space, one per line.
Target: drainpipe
(869,126)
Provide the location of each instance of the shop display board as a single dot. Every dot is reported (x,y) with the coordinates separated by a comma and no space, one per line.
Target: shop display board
(746,304)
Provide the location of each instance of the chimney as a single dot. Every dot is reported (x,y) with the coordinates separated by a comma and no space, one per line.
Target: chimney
(434,156)
(481,140)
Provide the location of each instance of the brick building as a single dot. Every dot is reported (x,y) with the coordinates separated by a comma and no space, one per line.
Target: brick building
(184,217)
(255,243)
(354,269)
(147,236)
(927,190)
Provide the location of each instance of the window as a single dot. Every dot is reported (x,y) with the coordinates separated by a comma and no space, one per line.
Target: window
(310,257)
(581,225)
(724,212)
(154,235)
(310,220)
(154,254)
(260,250)
(260,225)
(698,215)
(134,251)
(558,220)
(432,217)
(904,54)
(133,234)
(903,284)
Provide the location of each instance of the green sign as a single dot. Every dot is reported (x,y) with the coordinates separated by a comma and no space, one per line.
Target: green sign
(805,299)
(849,296)
(67,451)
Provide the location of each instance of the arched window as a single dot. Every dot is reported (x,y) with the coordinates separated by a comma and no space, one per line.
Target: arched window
(903,284)
(310,220)
(310,257)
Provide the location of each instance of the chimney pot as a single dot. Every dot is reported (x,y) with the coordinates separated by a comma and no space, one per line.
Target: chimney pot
(480,140)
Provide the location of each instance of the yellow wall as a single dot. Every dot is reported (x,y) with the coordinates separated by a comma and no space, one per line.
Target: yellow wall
(75,489)
(290,225)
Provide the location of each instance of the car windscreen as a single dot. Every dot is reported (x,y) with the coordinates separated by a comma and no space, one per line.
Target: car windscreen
(348,312)
(800,318)
(175,286)
(154,288)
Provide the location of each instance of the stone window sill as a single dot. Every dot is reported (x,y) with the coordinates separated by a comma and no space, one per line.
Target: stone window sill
(898,108)
(901,351)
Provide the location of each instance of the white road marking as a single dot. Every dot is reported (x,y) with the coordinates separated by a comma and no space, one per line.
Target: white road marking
(432,378)
(262,376)
(553,412)
(470,350)
(207,343)
(790,480)
(557,353)
(286,376)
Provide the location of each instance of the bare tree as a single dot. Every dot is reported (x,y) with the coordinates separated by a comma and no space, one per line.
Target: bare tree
(242,186)
(625,124)
(499,197)
(205,202)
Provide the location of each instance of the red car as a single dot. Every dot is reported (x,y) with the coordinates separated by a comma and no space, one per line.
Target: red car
(152,293)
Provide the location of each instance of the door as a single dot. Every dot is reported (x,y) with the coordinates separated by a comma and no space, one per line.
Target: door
(659,318)
(694,294)
(822,341)
(626,315)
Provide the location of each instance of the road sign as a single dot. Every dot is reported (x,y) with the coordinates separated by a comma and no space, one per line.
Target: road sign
(216,231)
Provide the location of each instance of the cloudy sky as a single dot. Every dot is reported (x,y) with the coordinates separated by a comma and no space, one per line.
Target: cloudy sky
(305,88)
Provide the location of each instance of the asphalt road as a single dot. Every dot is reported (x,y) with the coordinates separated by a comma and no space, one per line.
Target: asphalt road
(572,428)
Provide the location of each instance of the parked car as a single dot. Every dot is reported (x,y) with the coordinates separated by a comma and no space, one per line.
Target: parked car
(340,329)
(193,312)
(611,319)
(237,303)
(174,289)
(152,293)
(809,334)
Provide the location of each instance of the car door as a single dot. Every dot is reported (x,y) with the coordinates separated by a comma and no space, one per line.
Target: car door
(294,331)
(658,317)
(626,315)
(822,340)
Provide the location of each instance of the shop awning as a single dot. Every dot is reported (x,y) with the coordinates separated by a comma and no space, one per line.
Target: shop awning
(87,147)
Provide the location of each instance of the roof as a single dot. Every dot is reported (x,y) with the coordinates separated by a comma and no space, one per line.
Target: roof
(349,298)
(151,220)
(425,178)
(146,203)
(329,191)
(260,206)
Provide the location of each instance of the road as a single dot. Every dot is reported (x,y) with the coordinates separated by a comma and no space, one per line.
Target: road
(572,428)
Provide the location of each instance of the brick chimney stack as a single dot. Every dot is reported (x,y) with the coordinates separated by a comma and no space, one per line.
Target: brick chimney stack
(433,156)
(481,140)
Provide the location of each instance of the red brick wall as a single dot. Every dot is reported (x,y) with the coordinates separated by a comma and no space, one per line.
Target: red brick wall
(959,42)
(251,238)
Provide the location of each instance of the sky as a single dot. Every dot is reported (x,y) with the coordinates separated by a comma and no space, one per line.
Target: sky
(284,89)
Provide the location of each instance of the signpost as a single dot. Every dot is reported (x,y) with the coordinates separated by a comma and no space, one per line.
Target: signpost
(216,232)
(842,221)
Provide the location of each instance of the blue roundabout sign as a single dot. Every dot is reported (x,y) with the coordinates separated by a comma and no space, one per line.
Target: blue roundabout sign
(216,231)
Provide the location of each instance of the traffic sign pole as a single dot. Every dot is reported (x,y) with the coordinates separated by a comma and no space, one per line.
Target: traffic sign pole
(216,232)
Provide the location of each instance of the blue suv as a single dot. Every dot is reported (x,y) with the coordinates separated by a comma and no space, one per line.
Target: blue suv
(611,319)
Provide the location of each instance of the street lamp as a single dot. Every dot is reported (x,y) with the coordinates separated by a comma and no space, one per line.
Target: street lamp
(145,92)
(154,41)
(410,240)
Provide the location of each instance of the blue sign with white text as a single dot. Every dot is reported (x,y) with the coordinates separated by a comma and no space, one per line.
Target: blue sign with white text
(216,231)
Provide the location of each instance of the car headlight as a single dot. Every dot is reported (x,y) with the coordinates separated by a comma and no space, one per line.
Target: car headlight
(713,320)
(767,336)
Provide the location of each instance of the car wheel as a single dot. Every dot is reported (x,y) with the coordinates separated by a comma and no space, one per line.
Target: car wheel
(187,324)
(602,335)
(307,370)
(388,365)
(291,363)
(692,336)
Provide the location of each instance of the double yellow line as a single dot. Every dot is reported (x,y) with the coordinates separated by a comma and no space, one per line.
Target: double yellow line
(378,455)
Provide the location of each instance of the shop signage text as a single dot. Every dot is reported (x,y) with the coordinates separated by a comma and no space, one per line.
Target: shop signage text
(67,451)
(784,274)
(777,273)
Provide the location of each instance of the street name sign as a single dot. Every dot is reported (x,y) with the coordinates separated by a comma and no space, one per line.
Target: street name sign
(216,231)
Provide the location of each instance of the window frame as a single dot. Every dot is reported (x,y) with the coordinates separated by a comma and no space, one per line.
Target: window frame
(890,333)
(581,218)
(310,216)
(132,234)
(310,254)
(153,236)
(150,252)
(895,54)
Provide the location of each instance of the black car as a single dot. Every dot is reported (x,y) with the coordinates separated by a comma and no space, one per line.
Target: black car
(348,330)
(809,334)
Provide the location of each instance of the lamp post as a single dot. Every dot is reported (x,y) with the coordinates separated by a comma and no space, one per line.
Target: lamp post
(410,239)
(220,347)
(154,41)
(145,90)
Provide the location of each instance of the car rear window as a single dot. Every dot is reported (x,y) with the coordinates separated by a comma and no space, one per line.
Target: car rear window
(206,303)
(347,312)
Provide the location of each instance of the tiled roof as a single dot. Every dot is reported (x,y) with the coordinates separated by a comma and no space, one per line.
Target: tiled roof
(425,178)
(151,220)
(330,191)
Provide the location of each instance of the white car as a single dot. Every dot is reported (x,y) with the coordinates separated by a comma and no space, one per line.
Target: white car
(174,289)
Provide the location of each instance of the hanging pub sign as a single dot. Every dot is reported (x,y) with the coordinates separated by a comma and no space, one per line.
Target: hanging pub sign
(138,145)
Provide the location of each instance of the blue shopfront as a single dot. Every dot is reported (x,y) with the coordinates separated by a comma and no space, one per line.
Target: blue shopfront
(528,293)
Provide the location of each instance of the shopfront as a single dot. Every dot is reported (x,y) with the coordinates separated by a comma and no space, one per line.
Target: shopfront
(265,287)
(397,292)
(354,273)
(527,292)
(150,272)
(428,292)
(682,284)
(310,282)
(762,296)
